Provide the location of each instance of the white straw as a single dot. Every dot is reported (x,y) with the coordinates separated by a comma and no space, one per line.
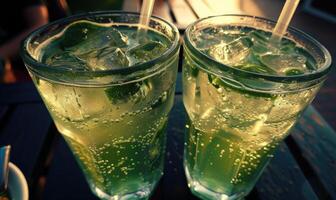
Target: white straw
(146,12)
(284,20)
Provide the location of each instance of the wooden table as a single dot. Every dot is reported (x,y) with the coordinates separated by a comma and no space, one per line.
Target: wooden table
(304,167)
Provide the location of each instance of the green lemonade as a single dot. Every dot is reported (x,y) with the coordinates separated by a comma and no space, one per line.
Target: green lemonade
(116,132)
(232,130)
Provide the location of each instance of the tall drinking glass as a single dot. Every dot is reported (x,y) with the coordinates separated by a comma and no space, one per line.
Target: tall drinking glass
(242,96)
(109,92)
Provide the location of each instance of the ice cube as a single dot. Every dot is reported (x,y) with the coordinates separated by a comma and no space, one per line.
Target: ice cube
(128,92)
(288,106)
(311,63)
(234,107)
(252,63)
(146,52)
(84,36)
(232,53)
(253,58)
(87,45)
(287,46)
(259,36)
(203,42)
(65,59)
(260,42)
(72,103)
(211,36)
(282,63)
(105,58)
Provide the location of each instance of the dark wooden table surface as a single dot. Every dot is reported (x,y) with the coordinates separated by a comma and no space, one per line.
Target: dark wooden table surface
(304,167)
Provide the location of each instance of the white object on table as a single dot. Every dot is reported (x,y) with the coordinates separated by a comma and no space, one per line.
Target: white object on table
(17,184)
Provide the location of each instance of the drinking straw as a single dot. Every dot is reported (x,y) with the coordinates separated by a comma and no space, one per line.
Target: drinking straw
(283,21)
(146,12)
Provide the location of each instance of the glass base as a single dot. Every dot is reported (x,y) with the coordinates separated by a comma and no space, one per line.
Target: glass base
(205,193)
(144,193)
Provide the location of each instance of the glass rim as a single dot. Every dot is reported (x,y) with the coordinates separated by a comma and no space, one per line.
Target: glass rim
(323,70)
(33,63)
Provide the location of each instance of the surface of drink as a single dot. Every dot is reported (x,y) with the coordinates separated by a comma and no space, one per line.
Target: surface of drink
(116,131)
(235,122)
(249,49)
(90,46)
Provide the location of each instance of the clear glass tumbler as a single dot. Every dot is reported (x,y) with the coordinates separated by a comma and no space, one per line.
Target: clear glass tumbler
(237,116)
(112,118)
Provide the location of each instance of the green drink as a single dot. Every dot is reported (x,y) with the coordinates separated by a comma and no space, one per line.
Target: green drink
(242,97)
(109,93)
